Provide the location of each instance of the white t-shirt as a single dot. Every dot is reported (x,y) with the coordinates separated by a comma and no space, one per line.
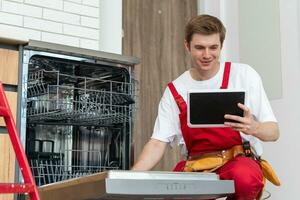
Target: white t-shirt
(242,77)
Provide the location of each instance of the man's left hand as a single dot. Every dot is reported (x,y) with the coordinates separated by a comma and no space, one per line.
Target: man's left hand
(246,124)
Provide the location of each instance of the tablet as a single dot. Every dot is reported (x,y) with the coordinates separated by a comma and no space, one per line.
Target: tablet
(206,108)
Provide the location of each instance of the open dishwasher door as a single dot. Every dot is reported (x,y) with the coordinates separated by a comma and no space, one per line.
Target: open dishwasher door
(117,184)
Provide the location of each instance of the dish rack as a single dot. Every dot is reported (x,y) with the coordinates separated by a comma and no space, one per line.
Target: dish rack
(77,125)
(49,100)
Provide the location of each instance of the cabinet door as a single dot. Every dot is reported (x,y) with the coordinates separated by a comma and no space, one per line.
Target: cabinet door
(9,60)
(7,164)
(12,101)
(7,158)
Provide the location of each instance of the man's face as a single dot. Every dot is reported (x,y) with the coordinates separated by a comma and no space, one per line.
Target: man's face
(205,51)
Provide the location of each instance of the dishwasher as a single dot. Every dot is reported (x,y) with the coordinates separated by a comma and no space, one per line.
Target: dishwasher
(77,108)
(77,111)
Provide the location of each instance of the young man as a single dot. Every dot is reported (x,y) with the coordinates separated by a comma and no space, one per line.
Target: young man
(204,36)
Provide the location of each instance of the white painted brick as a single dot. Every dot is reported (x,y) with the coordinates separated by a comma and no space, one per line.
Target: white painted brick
(21,9)
(79,31)
(89,44)
(81,9)
(20,1)
(76,1)
(43,25)
(94,3)
(55,4)
(61,16)
(32,34)
(60,39)
(12,19)
(17,32)
(90,22)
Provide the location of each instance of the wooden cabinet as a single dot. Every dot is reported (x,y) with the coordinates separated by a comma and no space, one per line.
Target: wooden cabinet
(7,164)
(12,101)
(9,60)
(162,60)
(8,75)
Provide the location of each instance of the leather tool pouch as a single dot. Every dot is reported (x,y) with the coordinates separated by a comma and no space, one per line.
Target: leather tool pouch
(268,172)
(207,164)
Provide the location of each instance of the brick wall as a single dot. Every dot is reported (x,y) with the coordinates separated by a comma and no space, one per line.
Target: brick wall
(69,22)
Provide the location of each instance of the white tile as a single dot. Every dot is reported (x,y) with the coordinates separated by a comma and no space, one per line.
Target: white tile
(60,39)
(90,22)
(89,44)
(11,19)
(60,16)
(79,31)
(94,3)
(54,4)
(21,9)
(42,24)
(81,9)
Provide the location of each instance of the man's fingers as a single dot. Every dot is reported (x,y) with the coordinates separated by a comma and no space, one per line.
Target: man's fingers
(235,118)
(245,109)
(238,126)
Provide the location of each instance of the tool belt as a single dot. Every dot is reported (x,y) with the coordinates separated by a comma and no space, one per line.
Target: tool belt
(209,162)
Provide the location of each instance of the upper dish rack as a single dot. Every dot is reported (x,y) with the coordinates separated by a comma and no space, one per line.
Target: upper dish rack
(53,97)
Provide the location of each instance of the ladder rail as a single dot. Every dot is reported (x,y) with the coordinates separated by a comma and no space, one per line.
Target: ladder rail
(19,151)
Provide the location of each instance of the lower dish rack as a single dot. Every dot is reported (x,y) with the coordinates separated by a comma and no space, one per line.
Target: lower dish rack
(73,155)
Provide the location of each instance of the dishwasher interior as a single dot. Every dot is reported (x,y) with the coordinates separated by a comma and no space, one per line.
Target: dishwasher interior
(78,117)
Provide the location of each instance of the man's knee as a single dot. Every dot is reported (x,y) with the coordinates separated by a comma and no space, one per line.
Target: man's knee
(248,181)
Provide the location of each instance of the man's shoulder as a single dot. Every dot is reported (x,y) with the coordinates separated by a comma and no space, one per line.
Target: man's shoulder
(179,83)
(242,68)
(240,65)
(181,79)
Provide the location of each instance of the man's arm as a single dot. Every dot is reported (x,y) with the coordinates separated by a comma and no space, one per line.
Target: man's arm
(265,131)
(152,153)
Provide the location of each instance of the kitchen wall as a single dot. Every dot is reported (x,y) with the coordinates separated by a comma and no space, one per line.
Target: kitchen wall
(76,23)
(70,22)
(283,155)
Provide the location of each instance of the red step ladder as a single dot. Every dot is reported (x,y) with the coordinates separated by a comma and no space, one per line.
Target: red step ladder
(29,185)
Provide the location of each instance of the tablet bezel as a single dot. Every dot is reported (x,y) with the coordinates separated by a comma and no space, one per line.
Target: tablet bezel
(208,91)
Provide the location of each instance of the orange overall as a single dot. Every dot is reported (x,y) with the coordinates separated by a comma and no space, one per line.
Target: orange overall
(245,171)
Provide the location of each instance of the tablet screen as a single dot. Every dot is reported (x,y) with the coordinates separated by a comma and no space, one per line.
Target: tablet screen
(207,108)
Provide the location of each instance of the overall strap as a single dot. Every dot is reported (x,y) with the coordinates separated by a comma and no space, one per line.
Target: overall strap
(226,75)
(182,107)
(178,98)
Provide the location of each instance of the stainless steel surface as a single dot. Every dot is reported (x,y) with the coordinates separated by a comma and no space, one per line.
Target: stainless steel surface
(161,185)
(80,52)
(161,175)
(143,185)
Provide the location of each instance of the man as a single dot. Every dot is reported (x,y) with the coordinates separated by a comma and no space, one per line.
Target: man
(204,36)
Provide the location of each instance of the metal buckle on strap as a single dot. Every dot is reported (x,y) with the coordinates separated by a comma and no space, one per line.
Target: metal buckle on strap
(222,154)
(247,149)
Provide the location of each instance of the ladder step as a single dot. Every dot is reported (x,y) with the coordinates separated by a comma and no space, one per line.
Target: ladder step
(16,188)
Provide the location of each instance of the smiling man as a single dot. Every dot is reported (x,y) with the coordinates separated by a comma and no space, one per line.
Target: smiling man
(239,143)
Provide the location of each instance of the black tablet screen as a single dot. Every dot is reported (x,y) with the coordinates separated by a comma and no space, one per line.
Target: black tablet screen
(210,107)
